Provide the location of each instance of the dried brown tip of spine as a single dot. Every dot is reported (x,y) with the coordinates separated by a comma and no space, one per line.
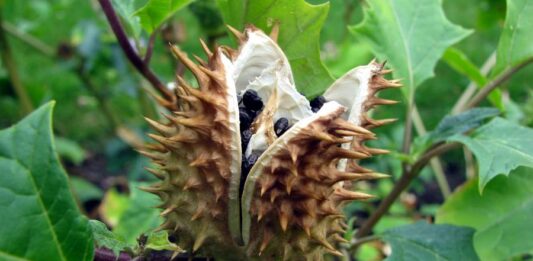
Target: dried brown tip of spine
(275,31)
(237,34)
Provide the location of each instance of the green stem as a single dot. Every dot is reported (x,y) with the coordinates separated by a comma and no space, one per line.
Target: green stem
(435,163)
(28,39)
(363,240)
(11,68)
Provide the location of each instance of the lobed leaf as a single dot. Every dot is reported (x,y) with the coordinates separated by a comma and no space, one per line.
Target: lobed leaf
(499,146)
(410,35)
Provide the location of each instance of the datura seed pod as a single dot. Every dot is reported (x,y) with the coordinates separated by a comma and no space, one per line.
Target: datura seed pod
(249,168)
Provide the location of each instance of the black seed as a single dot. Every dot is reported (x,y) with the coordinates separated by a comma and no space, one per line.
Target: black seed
(252,101)
(281,126)
(246,166)
(245,119)
(253,159)
(245,139)
(317,103)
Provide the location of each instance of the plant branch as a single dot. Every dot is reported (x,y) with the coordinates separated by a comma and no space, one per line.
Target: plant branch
(483,93)
(408,130)
(363,240)
(11,68)
(150,48)
(401,185)
(130,52)
(435,163)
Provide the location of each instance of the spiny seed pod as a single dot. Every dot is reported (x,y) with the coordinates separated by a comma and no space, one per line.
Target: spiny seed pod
(272,187)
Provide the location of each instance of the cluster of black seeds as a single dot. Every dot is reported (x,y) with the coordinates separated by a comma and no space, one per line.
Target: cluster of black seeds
(250,106)
(317,103)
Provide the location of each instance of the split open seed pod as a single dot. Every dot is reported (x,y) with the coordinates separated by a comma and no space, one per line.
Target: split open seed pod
(279,193)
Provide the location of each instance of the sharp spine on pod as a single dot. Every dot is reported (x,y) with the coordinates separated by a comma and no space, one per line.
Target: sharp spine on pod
(248,167)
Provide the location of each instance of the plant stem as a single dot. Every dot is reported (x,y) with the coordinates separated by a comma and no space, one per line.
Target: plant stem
(412,172)
(472,86)
(402,184)
(11,68)
(483,93)
(130,53)
(435,163)
(150,48)
(408,130)
(28,39)
(363,240)
(470,164)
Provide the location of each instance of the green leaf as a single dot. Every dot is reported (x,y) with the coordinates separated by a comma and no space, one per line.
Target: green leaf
(500,146)
(456,59)
(300,25)
(515,45)
(423,241)
(126,9)
(501,216)
(105,238)
(155,12)
(449,126)
(40,220)
(410,35)
(159,241)
(140,216)
(462,122)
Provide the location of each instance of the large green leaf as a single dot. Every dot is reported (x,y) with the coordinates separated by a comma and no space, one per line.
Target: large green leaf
(500,146)
(501,216)
(155,12)
(410,35)
(515,42)
(38,216)
(427,242)
(300,25)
